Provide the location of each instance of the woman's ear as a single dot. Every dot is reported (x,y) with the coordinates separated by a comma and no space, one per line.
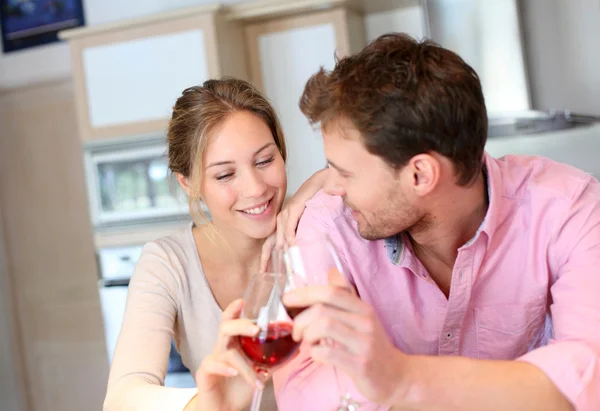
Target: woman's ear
(184,182)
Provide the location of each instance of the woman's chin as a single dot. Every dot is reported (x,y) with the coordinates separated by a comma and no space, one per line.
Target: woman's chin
(261,233)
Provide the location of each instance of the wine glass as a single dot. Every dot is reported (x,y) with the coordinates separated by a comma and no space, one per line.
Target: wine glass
(273,345)
(312,262)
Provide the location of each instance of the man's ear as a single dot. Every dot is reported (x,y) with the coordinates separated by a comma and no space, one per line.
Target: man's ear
(425,170)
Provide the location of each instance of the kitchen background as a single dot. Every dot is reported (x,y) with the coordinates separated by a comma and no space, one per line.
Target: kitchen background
(82,181)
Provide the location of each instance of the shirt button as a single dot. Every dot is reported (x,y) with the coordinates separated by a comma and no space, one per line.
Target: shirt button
(449,335)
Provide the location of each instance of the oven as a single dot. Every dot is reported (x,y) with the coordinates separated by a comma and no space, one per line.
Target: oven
(116,267)
(129,183)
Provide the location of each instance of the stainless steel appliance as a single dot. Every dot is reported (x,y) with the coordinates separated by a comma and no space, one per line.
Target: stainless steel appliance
(116,267)
(129,182)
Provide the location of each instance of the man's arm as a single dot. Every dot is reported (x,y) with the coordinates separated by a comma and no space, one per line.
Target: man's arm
(458,383)
(386,375)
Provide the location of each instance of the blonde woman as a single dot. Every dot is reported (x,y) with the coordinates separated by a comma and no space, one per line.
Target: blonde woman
(227,150)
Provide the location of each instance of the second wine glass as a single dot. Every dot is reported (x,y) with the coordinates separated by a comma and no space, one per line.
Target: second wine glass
(315,261)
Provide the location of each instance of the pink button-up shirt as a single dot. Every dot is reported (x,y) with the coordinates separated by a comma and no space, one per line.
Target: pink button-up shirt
(526,287)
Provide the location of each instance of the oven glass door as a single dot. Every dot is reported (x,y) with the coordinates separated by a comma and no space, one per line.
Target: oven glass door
(133,184)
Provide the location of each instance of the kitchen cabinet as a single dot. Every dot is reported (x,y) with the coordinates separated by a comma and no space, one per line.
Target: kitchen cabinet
(283,52)
(127,76)
(12,389)
(50,275)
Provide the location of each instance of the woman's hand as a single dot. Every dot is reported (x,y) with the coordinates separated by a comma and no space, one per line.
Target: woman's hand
(226,379)
(289,216)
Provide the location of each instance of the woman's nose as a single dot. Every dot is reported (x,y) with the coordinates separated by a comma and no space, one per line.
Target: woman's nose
(254,185)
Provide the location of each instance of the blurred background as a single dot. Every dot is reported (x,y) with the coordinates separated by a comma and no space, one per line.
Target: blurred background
(83,177)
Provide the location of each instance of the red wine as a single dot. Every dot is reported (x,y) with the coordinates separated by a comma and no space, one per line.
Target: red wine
(294,311)
(271,347)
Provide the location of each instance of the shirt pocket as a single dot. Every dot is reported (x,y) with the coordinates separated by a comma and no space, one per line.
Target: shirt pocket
(507,331)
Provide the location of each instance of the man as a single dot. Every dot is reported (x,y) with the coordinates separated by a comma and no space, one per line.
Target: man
(478,279)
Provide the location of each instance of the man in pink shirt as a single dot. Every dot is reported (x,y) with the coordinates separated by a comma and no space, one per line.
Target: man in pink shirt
(478,279)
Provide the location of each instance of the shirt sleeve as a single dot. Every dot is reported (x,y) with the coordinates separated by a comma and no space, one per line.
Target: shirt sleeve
(302,383)
(572,358)
(141,356)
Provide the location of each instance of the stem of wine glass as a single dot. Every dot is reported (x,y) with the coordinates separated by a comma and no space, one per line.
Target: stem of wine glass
(346,402)
(256,399)
(258,392)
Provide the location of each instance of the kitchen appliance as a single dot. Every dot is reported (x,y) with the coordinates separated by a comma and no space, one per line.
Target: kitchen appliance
(129,183)
(116,267)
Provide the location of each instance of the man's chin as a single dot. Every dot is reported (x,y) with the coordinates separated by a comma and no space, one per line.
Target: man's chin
(368,233)
(370,237)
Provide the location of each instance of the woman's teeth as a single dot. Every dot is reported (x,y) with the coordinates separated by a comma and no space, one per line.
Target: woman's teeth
(257,210)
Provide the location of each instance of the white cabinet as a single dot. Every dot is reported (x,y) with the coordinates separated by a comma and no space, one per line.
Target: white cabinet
(128,72)
(127,76)
(284,53)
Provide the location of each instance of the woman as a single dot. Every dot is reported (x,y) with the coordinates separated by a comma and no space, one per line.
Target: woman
(226,149)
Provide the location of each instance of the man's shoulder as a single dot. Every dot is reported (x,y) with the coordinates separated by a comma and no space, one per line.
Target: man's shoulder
(535,175)
(327,205)
(327,210)
(324,200)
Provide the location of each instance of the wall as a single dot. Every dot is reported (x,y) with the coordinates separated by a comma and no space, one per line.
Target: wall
(561,39)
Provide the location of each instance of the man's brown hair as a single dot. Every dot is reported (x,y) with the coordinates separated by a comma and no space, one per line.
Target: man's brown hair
(405,98)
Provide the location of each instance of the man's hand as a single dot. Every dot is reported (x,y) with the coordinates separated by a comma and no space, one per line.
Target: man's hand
(361,347)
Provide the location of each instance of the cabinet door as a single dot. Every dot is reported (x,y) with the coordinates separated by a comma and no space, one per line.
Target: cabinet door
(283,55)
(126,81)
(138,81)
(49,246)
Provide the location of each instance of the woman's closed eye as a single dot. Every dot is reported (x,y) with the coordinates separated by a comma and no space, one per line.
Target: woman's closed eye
(265,162)
(224,176)
(228,175)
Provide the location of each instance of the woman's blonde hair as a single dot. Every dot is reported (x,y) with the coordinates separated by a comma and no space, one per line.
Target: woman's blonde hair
(197,114)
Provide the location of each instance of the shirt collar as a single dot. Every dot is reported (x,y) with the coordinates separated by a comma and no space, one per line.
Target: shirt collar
(396,244)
